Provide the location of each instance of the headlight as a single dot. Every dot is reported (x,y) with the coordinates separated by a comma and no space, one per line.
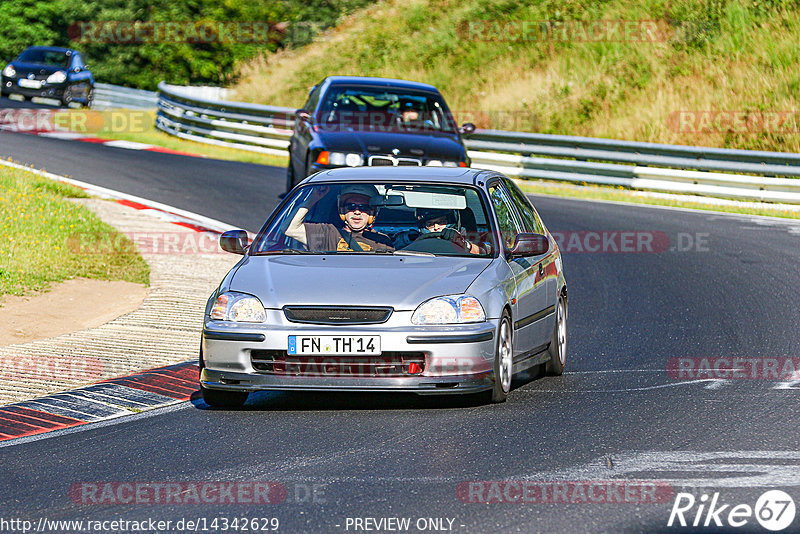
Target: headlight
(434,163)
(341,159)
(451,164)
(238,307)
(451,309)
(9,71)
(57,77)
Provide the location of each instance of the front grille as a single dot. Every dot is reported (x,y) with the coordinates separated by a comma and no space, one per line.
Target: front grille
(388,364)
(340,315)
(389,161)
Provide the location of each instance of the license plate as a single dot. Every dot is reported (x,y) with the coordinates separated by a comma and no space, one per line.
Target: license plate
(335,345)
(30,84)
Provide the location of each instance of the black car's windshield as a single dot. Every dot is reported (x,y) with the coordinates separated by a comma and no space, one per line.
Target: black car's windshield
(44,57)
(396,218)
(384,109)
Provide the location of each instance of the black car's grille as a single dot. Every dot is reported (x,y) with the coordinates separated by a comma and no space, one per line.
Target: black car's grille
(340,315)
(388,364)
(391,161)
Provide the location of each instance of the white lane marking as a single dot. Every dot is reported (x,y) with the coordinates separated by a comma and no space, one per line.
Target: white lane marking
(195,218)
(623,390)
(717,383)
(131,145)
(793,384)
(728,469)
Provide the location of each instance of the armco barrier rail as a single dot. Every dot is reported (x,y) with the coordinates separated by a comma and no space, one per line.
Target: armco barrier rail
(115,96)
(646,166)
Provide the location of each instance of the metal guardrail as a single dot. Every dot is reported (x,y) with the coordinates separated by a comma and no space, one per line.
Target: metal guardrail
(108,96)
(645,166)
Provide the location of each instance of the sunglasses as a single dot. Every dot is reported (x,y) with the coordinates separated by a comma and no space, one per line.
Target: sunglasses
(444,221)
(355,206)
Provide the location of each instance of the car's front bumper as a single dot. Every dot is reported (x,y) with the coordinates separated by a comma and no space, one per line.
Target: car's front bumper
(458,359)
(50,90)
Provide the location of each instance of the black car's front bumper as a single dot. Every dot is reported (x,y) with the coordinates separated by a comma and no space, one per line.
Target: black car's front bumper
(48,90)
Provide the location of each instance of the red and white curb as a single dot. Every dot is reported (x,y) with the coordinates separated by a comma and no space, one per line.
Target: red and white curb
(114,143)
(106,400)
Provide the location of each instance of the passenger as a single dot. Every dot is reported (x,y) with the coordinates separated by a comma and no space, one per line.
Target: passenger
(443,222)
(353,234)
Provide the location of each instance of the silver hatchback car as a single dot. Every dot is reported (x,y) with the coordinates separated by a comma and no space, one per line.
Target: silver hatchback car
(431,281)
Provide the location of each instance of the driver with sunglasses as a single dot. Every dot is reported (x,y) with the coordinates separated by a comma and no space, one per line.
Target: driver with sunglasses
(352,234)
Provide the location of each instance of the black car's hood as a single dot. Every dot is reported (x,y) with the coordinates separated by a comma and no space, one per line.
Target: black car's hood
(436,145)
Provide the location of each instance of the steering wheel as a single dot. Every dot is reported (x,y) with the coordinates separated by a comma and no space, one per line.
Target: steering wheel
(440,244)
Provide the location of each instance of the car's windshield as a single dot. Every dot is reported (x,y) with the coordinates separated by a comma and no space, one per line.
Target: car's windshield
(44,57)
(384,109)
(384,218)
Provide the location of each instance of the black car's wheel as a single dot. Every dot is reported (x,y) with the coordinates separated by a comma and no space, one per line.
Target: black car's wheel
(218,398)
(67,98)
(503,360)
(558,341)
(290,181)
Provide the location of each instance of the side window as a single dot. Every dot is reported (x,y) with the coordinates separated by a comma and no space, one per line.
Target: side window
(313,99)
(529,216)
(506,217)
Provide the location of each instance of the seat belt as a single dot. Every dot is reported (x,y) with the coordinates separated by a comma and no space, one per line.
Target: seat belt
(349,240)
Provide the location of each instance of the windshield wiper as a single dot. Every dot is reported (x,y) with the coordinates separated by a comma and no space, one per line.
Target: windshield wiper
(413,253)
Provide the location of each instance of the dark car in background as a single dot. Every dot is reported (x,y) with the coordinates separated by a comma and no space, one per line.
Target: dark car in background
(351,121)
(49,72)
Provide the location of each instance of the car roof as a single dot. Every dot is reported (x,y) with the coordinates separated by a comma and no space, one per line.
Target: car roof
(51,49)
(378,82)
(444,175)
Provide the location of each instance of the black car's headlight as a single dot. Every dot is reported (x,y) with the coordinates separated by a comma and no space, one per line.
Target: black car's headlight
(57,77)
(9,71)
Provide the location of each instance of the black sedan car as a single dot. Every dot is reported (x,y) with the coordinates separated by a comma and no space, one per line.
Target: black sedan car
(351,121)
(49,72)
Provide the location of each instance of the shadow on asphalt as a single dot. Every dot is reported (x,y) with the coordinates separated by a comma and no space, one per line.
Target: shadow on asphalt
(299,401)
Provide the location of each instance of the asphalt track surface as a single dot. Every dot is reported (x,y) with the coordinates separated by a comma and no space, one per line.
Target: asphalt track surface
(615,415)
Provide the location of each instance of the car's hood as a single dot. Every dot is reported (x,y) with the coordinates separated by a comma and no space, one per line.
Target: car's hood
(432,144)
(402,282)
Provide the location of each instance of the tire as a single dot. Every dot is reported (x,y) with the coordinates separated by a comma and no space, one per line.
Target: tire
(66,98)
(558,341)
(290,183)
(218,398)
(89,98)
(503,360)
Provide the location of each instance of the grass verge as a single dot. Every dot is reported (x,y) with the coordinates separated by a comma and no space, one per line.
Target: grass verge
(615,194)
(44,237)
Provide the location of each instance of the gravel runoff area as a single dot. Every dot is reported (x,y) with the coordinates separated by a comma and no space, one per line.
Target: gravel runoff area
(164,330)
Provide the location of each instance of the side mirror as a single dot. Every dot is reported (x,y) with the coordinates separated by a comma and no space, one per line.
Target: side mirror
(466,128)
(303,115)
(235,241)
(530,245)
